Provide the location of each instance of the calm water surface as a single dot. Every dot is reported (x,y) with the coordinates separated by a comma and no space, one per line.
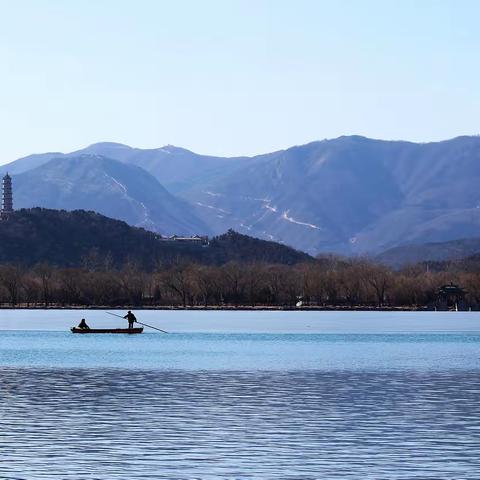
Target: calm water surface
(241,395)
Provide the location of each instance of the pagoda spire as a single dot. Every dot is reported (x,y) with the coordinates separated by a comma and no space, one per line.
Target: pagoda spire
(7,197)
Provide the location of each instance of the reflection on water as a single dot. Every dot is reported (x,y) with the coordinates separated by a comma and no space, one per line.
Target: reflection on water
(141,424)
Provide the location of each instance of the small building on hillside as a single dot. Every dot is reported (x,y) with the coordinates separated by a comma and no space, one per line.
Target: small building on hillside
(194,240)
(451,297)
(7,197)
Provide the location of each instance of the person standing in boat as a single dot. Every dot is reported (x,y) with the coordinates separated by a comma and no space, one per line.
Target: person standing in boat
(131,319)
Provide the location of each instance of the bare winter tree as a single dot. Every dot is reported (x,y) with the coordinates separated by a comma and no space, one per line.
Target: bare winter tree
(45,274)
(11,279)
(178,280)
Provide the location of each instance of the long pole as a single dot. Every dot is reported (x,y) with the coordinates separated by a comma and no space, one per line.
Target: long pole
(144,324)
(155,328)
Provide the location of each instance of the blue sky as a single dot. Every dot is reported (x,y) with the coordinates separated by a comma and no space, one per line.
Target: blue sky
(234,77)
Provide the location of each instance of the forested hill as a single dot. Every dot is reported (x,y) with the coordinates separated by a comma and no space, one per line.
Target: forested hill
(233,246)
(80,238)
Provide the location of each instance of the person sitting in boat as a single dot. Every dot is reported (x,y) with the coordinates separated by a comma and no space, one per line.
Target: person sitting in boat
(131,319)
(83,325)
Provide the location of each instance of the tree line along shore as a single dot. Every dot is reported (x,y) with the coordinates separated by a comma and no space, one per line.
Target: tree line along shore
(329,284)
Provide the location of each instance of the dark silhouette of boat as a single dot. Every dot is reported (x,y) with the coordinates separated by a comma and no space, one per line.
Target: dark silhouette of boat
(129,331)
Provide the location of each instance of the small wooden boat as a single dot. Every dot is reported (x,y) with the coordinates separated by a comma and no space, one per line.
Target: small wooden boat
(129,331)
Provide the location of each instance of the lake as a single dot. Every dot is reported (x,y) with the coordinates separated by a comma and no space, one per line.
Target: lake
(241,395)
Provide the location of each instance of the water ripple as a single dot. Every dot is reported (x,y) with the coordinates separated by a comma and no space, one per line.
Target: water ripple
(131,424)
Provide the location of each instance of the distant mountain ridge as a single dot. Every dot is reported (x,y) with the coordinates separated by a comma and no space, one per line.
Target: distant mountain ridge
(353,195)
(110,187)
(176,168)
(430,252)
(350,195)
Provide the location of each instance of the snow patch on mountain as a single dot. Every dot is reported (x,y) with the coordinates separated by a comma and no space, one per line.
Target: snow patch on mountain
(212,207)
(114,180)
(292,220)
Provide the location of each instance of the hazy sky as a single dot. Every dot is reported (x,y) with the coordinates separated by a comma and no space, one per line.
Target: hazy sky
(234,77)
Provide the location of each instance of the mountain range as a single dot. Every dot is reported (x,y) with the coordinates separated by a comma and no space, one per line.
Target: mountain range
(350,195)
(110,187)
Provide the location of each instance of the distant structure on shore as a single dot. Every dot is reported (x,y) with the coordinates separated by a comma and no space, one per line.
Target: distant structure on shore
(7,197)
(451,297)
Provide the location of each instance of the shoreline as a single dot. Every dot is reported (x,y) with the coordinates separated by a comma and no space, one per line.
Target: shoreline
(326,308)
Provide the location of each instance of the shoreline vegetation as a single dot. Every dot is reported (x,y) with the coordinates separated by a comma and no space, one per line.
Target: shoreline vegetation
(199,308)
(82,259)
(327,284)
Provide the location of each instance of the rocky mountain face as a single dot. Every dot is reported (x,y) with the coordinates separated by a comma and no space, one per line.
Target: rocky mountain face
(351,195)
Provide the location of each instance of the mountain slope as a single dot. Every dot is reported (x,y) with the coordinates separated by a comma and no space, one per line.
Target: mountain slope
(77,238)
(115,189)
(430,252)
(316,196)
(176,168)
(350,195)
(233,246)
(28,163)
